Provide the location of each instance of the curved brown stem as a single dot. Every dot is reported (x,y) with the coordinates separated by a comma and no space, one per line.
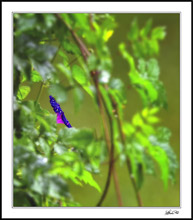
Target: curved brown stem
(139,200)
(85,54)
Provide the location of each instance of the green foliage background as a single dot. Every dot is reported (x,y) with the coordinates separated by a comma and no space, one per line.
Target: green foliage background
(46,171)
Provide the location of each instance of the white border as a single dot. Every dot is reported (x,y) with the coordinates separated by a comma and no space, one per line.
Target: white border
(122,7)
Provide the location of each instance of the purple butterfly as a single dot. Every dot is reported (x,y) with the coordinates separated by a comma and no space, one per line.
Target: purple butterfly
(60,114)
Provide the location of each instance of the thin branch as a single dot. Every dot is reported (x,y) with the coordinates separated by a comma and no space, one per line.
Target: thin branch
(85,54)
(139,200)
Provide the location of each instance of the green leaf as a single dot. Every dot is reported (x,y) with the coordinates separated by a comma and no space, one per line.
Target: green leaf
(59,92)
(79,75)
(163,134)
(71,48)
(152,119)
(78,168)
(107,34)
(23,92)
(162,96)
(142,66)
(81,20)
(59,148)
(153,69)
(144,31)
(153,110)
(145,112)
(45,69)
(161,158)
(53,186)
(161,139)
(137,120)
(44,146)
(133,31)
(144,85)
(158,33)
(128,129)
(88,179)
(35,76)
(76,137)
(66,71)
(128,57)
(119,88)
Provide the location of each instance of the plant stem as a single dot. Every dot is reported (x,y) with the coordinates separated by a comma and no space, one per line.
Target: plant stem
(40,91)
(139,200)
(85,54)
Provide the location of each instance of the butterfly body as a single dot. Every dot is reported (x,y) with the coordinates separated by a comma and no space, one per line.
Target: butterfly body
(60,114)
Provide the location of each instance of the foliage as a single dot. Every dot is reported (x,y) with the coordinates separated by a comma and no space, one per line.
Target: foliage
(47,157)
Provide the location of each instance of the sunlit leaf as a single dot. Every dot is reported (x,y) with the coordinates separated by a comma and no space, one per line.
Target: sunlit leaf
(137,120)
(88,179)
(144,31)
(152,119)
(35,76)
(107,35)
(23,92)
(158,33)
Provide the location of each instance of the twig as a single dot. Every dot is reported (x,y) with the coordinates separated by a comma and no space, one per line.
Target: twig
(85,54)
(139,200)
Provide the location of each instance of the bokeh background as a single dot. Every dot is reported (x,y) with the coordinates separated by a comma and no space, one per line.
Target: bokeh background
(153,193)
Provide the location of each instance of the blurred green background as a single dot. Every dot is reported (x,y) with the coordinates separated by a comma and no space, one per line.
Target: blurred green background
(152,192)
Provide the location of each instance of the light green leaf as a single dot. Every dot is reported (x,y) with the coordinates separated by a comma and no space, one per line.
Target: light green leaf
(128,57)
(137,120)
(88,179)
(107,34)
(158,33)
(128,129)
(23,92)
(79,75)
(153,110)
(152,119)
(35,76)
(144,31)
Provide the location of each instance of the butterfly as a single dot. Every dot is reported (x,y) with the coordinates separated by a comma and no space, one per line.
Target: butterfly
(60,114)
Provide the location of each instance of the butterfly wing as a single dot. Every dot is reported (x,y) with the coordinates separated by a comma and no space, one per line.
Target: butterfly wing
(61,119)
